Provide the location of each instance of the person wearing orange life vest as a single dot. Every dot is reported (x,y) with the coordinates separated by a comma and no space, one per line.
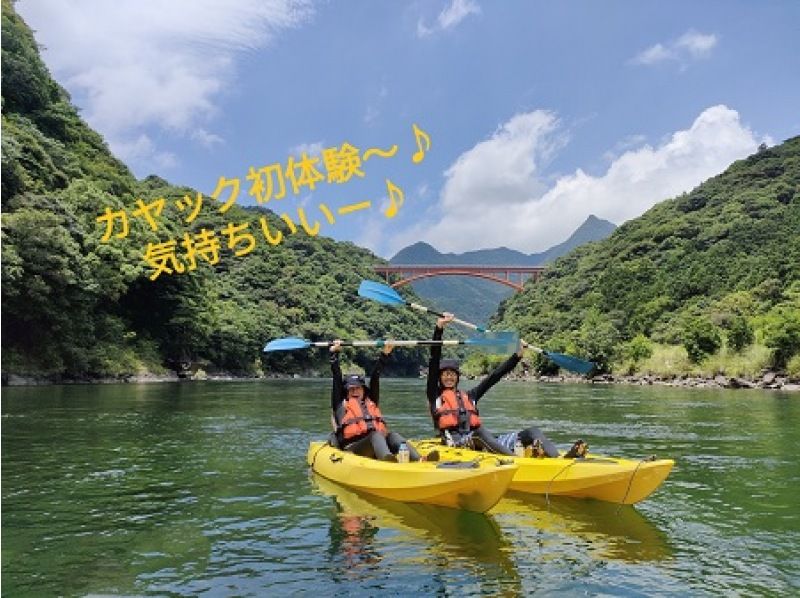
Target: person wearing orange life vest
(455,412)
(360,426)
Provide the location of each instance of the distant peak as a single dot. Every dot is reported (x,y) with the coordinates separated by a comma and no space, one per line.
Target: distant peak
(592,219)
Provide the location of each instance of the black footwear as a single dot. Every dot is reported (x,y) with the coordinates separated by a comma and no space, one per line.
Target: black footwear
(577,451)
(537,450)
(432,456)
(391,458)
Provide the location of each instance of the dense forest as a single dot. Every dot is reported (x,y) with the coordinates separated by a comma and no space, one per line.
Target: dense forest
(77,307)
(708,282)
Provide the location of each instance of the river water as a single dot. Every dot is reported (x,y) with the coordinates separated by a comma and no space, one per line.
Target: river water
(201,489)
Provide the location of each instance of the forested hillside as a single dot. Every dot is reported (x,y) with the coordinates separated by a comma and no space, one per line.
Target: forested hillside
(75,306)
(708,281)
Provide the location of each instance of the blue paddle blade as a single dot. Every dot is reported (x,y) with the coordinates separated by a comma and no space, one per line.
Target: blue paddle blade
(380,292)
(496,342)
(568,362)
(287,344)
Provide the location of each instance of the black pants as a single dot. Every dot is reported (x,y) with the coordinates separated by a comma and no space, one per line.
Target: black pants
(378,446)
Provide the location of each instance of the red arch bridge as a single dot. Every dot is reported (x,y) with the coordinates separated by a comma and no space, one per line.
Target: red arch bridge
(512,276)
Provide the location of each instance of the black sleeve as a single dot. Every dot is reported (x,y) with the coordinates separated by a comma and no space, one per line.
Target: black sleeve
(337,389)
(433,368)
(375,378)
(501,370)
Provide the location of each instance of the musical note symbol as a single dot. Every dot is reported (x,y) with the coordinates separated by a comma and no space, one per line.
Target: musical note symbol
(422,138)
(396,198)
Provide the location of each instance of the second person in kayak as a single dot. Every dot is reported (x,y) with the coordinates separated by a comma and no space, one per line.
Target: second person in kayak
(455,412)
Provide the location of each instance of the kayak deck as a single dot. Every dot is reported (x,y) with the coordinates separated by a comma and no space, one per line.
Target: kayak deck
(623,481)
(471,486)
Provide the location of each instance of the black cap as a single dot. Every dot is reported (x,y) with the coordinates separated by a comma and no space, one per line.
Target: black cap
(450,364)
(352,380)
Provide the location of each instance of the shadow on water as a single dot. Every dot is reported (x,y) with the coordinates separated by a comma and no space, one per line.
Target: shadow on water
(609,531)
(446,535)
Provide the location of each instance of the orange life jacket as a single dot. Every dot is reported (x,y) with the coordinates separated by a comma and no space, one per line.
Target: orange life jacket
(455,411)
(360,417)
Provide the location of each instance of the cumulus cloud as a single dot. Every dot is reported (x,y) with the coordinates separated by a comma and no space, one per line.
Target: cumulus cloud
(692,45)
(133,64)
(451,15)
(494,193)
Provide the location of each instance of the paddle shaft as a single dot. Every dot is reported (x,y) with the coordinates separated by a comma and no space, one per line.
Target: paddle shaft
(466,324)
(395,343)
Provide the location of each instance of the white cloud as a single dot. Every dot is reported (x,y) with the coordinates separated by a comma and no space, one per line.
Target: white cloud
(134,64)
(143,149)
(493,193)
(654,54)
(457,12)
(622,145)
(697,44)
(504,167)
(451,15)
(311,149)
(205,138)
(692,45)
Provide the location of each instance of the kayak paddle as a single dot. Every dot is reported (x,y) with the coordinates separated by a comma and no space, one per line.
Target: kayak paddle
(388,296)
(498,342)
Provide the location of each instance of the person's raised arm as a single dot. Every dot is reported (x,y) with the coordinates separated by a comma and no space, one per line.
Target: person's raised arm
(436,357)
(337,388)
(375,376)
(496,375)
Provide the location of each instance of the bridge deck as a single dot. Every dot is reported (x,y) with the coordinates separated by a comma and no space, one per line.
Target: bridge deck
(502,274)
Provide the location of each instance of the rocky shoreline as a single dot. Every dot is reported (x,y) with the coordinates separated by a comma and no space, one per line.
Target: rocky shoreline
(768,381)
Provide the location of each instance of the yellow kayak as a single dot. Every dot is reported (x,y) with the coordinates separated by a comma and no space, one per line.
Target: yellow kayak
(473,486)
(622,481)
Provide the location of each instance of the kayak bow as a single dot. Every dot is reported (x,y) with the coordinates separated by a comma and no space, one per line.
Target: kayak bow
(473,486)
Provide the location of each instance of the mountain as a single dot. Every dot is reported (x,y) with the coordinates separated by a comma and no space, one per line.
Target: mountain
(76,305)
(714,271)
(592,229)
(478,299)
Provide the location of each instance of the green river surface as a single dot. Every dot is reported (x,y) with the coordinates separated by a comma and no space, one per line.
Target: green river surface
(202,489)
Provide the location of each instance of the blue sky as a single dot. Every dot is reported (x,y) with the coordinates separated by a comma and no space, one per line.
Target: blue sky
(539,113)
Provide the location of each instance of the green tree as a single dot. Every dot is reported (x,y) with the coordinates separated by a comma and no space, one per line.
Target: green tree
(637,349)
(596,340)
(782,333)
(700,338)
(739,333)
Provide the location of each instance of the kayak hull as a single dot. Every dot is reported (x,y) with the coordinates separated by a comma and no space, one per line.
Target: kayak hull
(622,481)
(448,485)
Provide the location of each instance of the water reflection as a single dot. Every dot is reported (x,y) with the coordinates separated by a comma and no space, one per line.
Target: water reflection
(609,531)
(434,537)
